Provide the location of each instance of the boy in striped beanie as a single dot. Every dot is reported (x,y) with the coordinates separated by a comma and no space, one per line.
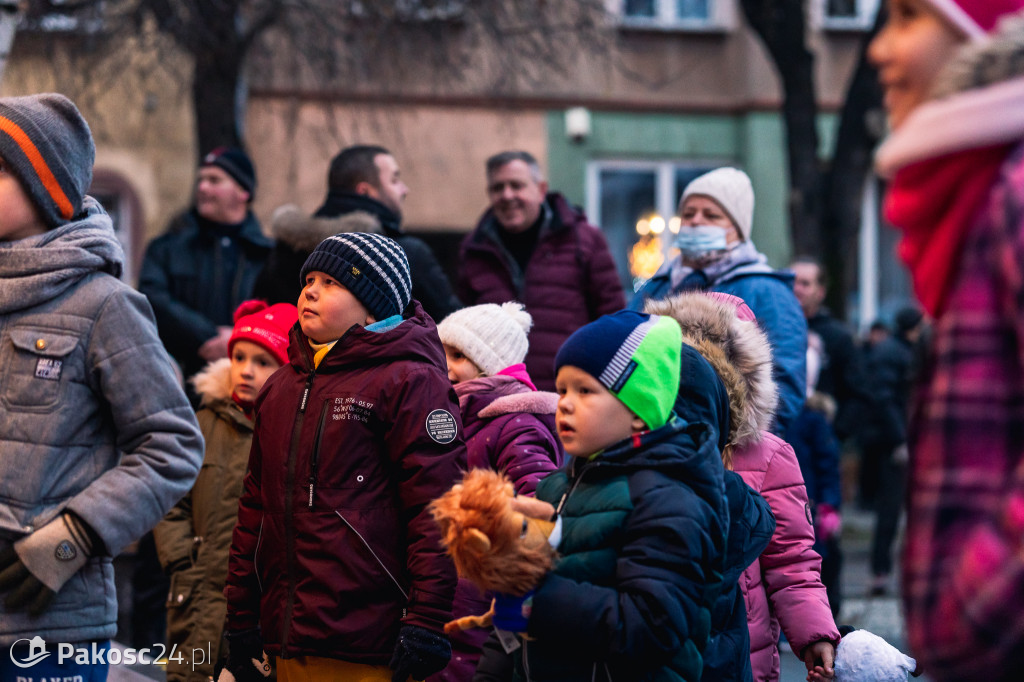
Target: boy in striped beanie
(366,422)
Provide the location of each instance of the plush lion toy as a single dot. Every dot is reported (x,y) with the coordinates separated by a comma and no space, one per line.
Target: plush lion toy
(493,546)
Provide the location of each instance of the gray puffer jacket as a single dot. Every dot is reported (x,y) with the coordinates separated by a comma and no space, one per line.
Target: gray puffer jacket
(92,416)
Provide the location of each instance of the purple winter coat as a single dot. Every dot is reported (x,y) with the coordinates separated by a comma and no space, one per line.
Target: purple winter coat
(570,280)
(334,548)
(511,428)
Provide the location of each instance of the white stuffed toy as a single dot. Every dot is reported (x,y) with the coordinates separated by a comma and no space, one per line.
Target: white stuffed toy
(864,657)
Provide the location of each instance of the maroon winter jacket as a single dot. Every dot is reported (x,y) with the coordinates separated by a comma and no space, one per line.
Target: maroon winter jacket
(570,280)
(334,548)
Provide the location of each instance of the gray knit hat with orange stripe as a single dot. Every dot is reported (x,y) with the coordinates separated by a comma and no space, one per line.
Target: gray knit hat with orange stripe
(47,144)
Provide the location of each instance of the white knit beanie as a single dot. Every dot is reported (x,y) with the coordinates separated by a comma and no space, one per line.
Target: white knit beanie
(732,190)
(492,336)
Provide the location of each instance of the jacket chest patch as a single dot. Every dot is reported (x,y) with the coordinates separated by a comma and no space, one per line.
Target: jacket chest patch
(49,368)
(442,427)
(351,409)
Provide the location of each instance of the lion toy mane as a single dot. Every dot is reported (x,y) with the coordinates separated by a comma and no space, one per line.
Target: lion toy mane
(494,547)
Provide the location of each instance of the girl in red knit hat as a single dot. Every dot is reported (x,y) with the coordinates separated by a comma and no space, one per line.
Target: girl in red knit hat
(194,539)
(953,76)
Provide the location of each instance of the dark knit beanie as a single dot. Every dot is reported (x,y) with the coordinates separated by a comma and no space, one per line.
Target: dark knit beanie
(46,143)
(373,267)
(235,163)
(907,319)
(635,356)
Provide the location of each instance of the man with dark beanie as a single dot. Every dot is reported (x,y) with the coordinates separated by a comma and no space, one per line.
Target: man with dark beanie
(97,439)
(199,272)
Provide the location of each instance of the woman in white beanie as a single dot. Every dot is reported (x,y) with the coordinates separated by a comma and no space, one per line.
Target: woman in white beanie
(509,426)
(717,254)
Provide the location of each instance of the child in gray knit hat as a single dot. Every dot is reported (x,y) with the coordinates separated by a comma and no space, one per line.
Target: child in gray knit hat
(97,439)
(510,425)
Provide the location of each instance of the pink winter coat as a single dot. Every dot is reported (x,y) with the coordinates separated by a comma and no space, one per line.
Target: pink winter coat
(784,585)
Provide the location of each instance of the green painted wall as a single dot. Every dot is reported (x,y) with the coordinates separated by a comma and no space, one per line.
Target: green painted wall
(753,141)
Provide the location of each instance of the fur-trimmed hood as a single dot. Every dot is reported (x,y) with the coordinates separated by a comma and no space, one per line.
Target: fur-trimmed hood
(213,383)
(531,402)
(290,225)
(738,350)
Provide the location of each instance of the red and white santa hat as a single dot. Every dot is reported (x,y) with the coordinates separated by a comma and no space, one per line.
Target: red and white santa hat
(976,19)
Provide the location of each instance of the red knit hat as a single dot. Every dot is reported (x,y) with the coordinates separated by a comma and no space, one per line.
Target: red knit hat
(976,18)
(266,326)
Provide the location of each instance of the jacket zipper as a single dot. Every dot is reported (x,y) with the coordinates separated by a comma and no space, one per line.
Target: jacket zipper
(289,502)
(374,554)
(316,452)
(256,553)
(577,479)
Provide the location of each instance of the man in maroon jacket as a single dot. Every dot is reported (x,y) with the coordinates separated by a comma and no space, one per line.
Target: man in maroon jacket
(532,246)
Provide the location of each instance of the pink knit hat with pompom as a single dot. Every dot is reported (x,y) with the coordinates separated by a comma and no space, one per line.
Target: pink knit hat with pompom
(975,18)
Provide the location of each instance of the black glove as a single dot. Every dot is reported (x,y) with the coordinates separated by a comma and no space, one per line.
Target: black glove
(39,564)
(246,660)
(420,653)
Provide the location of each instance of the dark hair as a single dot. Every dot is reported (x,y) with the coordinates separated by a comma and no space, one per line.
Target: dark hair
(879,325)
(811,260)
(353,165)
(504,158)
(906,319)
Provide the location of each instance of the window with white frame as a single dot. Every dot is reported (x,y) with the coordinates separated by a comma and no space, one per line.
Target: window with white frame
(635,202)
(676,14)
(847,14)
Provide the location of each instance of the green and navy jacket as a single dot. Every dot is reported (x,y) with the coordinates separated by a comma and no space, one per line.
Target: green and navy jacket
(641,555)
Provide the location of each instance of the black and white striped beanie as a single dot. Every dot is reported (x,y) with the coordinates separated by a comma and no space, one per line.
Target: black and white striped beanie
(373,267)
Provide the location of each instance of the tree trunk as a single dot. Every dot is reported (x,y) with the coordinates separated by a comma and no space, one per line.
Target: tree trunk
(215,91)
(781,25)
(843,186)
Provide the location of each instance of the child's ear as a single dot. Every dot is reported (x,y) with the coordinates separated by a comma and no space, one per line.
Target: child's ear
(638,424)
(370,319)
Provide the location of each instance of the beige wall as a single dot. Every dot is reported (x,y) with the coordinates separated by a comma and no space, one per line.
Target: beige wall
(441,131)
(441,152)
(142,127)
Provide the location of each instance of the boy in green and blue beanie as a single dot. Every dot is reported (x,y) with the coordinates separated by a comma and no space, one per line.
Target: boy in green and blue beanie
(641,515)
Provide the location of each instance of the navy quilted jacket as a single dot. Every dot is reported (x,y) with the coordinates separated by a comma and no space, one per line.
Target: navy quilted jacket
(641,559)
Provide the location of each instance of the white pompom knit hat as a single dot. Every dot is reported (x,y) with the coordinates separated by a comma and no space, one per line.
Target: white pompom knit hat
(732,190)
(492,336)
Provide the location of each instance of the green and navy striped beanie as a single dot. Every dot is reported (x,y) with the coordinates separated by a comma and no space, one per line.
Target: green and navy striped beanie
(635,356)
(373,267)
(47,145)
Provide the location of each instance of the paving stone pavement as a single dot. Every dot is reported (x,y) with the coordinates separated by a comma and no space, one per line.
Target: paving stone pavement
(879,615)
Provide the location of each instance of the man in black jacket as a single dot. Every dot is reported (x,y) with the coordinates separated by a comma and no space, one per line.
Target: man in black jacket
(198,272)
(367,178)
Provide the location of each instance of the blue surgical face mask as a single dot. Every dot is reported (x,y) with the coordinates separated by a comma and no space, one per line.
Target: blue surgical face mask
(702,244)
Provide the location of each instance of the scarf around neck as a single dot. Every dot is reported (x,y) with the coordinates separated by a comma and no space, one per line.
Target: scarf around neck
(744,258)
(935,203)
(40,268)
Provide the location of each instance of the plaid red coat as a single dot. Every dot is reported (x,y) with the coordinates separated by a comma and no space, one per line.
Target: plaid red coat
(963,571)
